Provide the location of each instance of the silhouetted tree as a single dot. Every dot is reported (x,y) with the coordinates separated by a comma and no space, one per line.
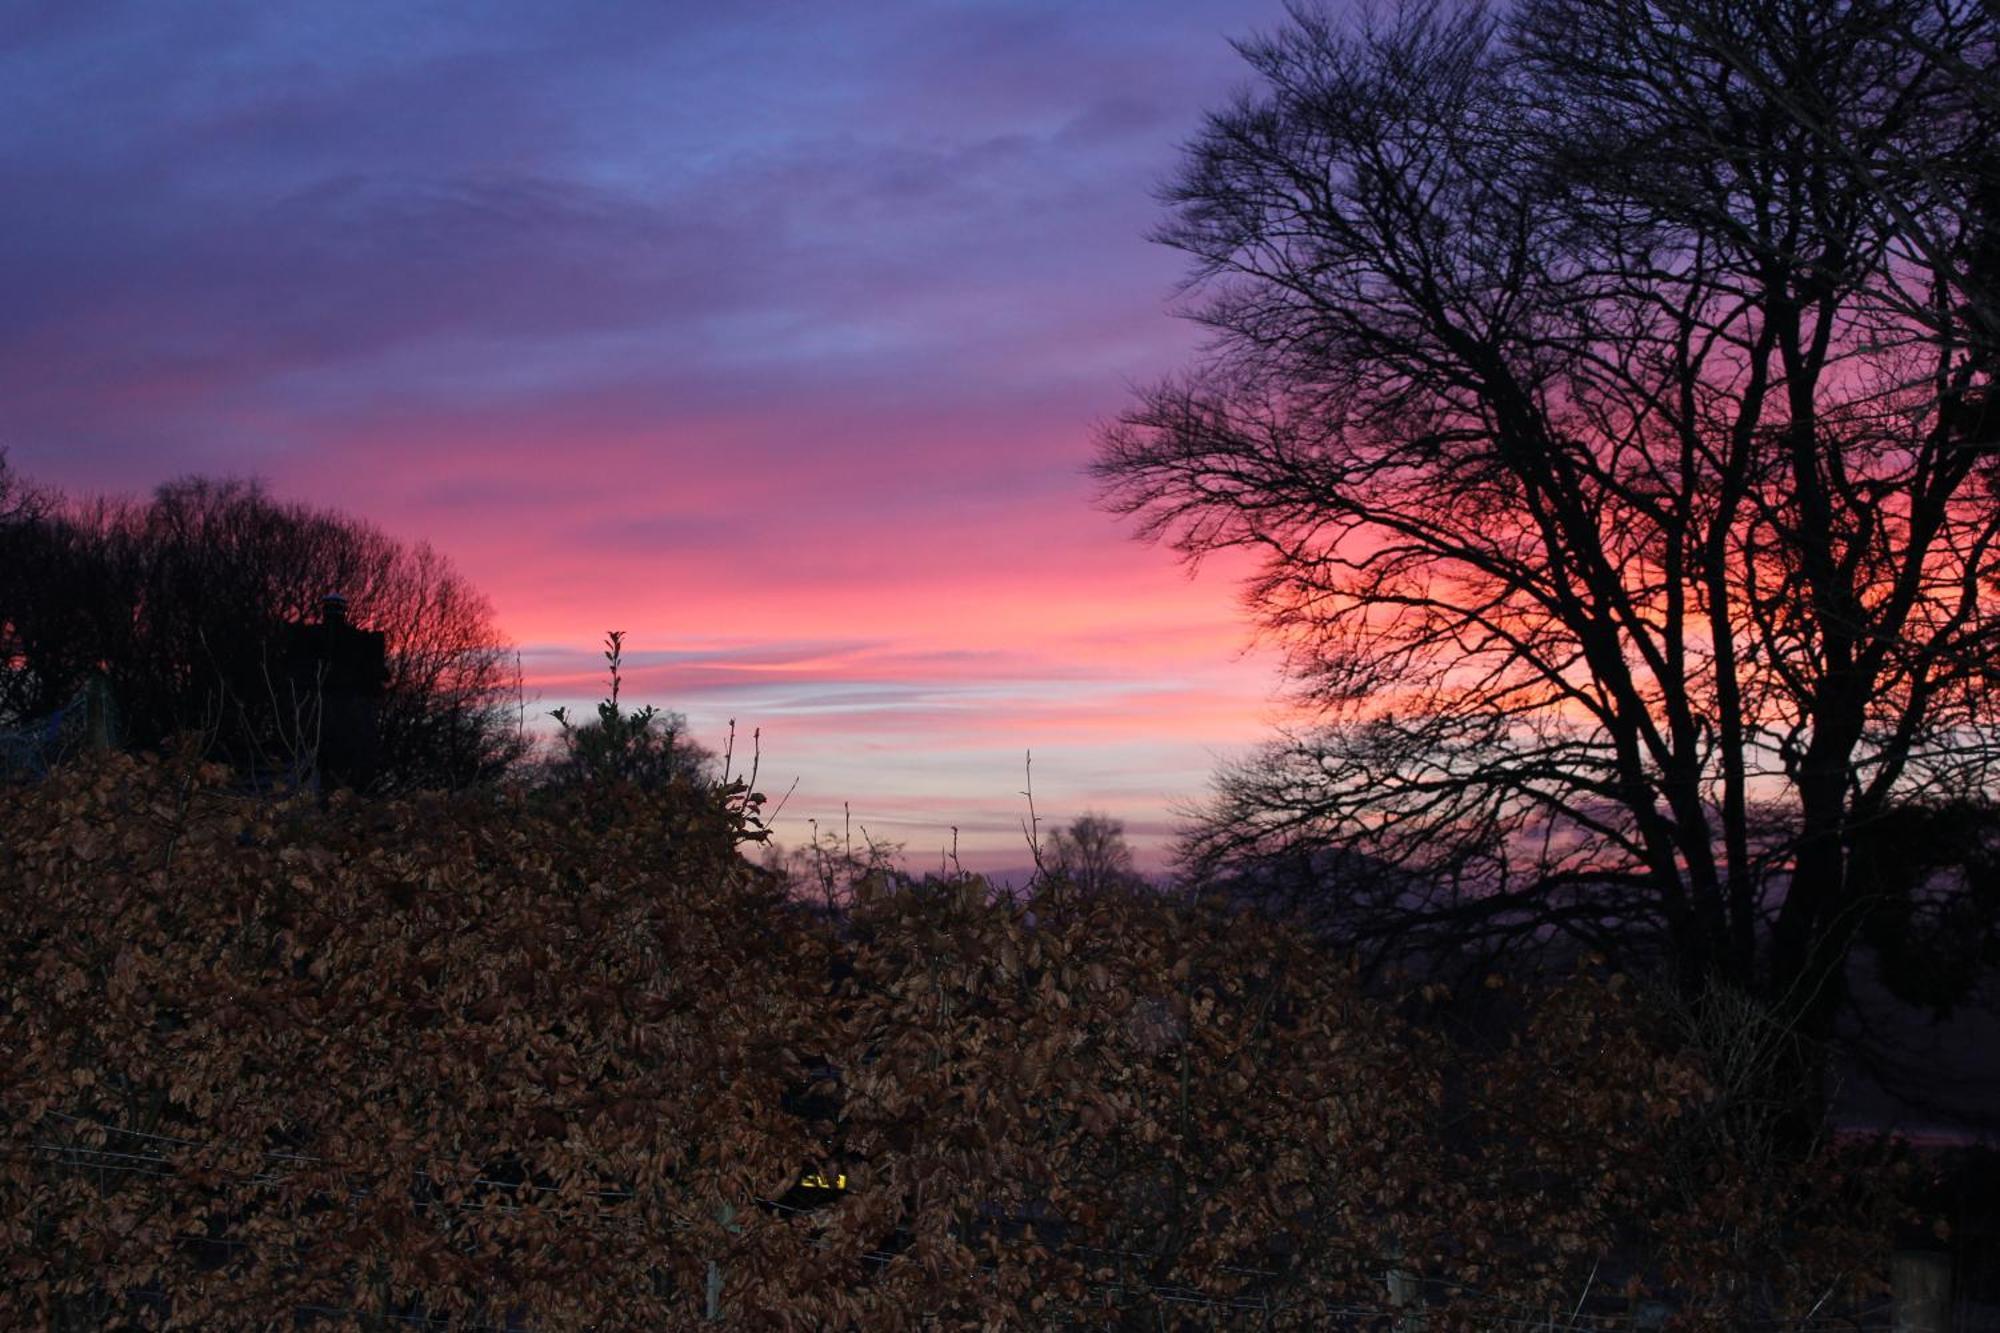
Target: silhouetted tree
(62,602)
(1091,855)
(18,499)
(184,602)
(1595,381)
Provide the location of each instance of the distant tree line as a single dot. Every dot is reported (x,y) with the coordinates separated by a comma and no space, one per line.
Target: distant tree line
(184,604)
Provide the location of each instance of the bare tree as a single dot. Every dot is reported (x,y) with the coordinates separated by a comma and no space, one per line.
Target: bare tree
(1604,406)
(1091,855)
(59,595)
(19,501)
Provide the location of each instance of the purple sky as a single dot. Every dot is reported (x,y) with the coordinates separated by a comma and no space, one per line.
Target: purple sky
(774,334)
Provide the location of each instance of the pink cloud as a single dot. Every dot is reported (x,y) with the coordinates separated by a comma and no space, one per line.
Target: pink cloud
(772,336)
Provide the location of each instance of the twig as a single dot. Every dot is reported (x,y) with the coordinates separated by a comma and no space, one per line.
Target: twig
(1032,826)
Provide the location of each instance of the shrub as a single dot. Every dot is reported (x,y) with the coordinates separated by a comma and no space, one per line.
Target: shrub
(566,1058)
(638,745)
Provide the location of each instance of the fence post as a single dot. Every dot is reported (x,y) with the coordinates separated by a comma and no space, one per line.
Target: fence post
(1406,1293)
(97,712)
(1920,1291)
(713,1305)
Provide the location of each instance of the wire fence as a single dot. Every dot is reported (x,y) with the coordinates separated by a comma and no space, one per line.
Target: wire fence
(89,720)
(1406,1295)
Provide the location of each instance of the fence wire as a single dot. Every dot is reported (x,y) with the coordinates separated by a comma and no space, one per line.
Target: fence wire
(1490,1312)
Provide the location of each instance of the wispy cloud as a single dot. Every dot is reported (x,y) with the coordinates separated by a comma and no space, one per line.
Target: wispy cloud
(773,334)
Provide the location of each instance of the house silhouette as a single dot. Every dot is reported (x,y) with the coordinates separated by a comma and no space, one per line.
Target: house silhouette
(337,674)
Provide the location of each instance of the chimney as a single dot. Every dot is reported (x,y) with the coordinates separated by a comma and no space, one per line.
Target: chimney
(333,611)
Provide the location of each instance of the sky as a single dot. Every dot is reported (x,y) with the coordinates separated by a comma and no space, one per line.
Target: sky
(774,334)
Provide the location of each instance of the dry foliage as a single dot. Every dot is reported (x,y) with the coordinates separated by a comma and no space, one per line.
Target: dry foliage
(562,1060)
